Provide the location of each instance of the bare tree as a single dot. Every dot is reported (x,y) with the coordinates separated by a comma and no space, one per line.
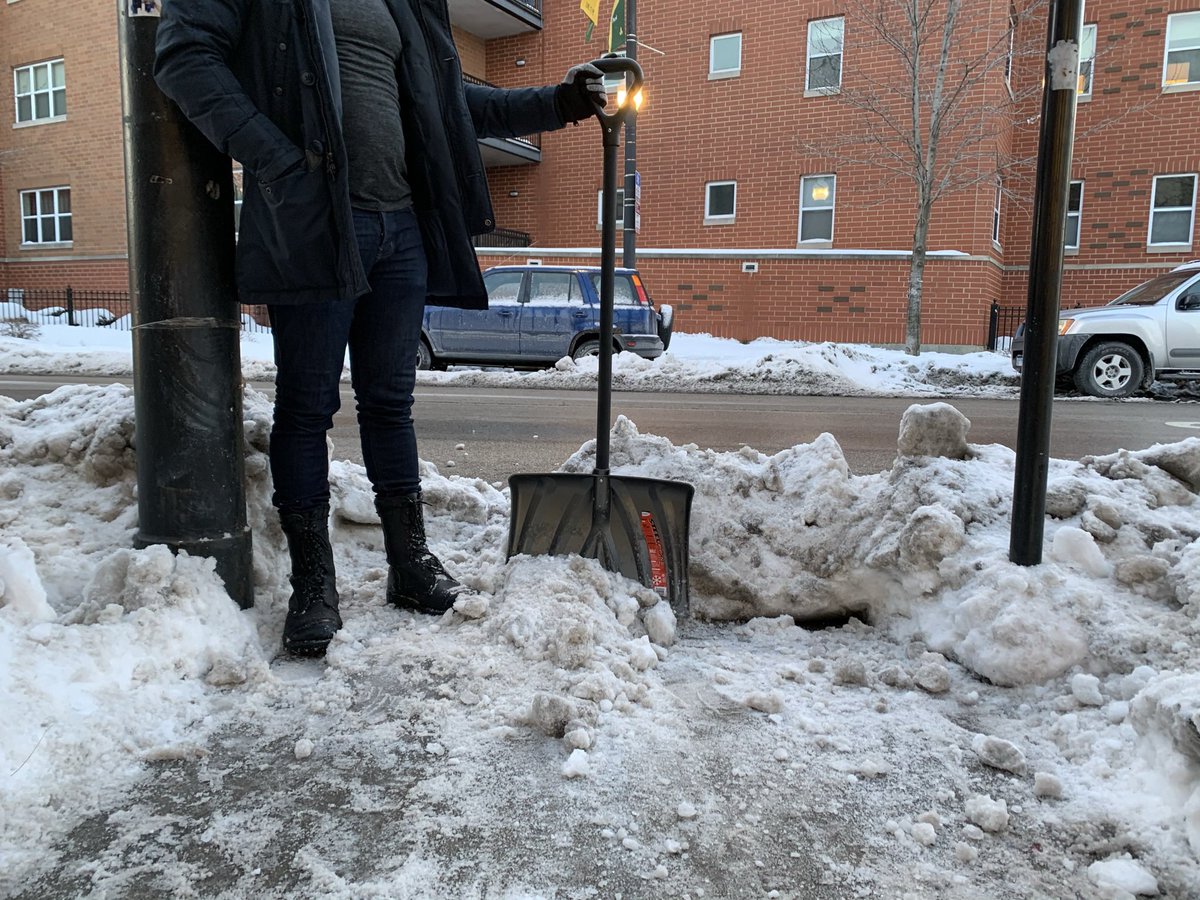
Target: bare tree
(942,117)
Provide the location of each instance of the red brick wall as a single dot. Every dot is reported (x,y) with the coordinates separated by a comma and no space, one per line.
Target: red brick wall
(754,129)
(82,152)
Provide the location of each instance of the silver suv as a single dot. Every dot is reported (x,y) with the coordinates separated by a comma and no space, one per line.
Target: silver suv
(1149,333)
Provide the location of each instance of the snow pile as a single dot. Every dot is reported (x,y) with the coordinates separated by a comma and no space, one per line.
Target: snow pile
(697,363)
(567,728)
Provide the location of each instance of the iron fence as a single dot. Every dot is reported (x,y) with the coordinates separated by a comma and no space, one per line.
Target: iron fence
(92,309)
(1002,325)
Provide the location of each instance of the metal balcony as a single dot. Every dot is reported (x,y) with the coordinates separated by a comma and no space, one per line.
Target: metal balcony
(522,151)
(496,18)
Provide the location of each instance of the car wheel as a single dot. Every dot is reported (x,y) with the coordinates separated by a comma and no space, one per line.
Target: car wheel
(1110,370)
(585,349)
(424,356)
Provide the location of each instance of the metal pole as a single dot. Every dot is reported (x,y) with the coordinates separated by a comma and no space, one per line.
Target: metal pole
(629,209)
(186,328)
(1045,281)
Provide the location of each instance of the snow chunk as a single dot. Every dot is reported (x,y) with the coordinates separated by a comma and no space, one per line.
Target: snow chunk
(924,834)
(660,623)
(303,748)
(934,429)
(577,765)
(641,654)
(999,753)
(685,810)
(1086,689)
(1123,874)
(990,815)
(1076,547)
(1047,785)
(767,702)
(21,590)
(472,605)
(965,853)
(934,678)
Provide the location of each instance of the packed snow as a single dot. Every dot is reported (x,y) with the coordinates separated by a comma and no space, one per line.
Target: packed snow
(866,698)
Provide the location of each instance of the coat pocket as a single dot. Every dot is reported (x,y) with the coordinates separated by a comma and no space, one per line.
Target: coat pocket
(295,235)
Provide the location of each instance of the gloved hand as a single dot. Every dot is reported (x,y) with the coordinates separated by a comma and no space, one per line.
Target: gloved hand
(581,93)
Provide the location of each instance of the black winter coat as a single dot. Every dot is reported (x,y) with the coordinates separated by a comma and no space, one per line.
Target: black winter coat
(260,79)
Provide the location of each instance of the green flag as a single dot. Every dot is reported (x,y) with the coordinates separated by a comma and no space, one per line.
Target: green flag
(616,28)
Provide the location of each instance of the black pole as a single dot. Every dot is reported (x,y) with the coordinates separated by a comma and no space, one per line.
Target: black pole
(629,210)
(1045,281)
(186,329)
(608,260)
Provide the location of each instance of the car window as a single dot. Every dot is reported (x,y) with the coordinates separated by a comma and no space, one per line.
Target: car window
(1152,291)
(553,289)
(623,294)
(503,287)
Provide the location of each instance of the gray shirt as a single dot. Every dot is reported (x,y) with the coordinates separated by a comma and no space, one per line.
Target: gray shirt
(368,51)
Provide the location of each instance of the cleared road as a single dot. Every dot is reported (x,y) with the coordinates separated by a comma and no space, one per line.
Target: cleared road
(505,431)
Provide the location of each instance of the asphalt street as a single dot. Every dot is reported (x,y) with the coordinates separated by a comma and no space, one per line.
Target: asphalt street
(490,433)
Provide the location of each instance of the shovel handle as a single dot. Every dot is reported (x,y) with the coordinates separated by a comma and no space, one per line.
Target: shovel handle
(611,64)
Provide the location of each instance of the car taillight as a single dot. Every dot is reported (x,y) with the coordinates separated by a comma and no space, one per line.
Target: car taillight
(642,296)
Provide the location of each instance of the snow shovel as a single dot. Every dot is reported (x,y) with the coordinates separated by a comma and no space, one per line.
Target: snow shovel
(635,526)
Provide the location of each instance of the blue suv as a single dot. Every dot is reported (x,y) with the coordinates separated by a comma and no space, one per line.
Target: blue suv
(536,315)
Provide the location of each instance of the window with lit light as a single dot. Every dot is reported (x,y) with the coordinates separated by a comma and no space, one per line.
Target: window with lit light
(720,201)
(823,68)
(816,208)
(1172,210)
(725,55)
(1181,65)
(1087,60)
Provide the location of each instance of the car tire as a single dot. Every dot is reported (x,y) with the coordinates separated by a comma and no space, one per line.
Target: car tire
(666,322)
(585,349)
(1111,369)
(424,356)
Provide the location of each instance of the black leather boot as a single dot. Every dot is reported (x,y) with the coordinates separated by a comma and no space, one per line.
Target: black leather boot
(312,618)
(416,579)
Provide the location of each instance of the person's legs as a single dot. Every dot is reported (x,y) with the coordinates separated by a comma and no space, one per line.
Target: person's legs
(383,355)
(310,351)
(383,362)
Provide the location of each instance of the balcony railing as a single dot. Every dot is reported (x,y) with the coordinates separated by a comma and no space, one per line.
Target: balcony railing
(503,237)
(489,19)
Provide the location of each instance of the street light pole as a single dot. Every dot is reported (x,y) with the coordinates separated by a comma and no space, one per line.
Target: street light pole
(629,209)
(187,383)
(1038,369)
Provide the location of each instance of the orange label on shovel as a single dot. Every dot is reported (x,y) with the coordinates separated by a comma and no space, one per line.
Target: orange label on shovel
(654,549)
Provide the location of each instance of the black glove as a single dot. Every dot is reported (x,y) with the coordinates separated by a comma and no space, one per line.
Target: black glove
(581,93)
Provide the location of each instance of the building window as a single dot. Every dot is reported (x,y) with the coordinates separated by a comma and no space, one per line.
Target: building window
(816,207)
(1074,214)
(238,195)
(720,201)
(996,213)
(824,61)
(1012,48)
(1087,60)
(1172,210)
(620,208)
(40,91)
(725,55)
(1182,63)
(46,216)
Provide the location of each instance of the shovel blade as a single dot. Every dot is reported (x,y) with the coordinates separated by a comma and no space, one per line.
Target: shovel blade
(635,526)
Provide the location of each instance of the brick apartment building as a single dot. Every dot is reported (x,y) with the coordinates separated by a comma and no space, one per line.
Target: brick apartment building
(753,222)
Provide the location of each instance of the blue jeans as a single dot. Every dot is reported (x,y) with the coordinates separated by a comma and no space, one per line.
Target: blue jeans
(382,329)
